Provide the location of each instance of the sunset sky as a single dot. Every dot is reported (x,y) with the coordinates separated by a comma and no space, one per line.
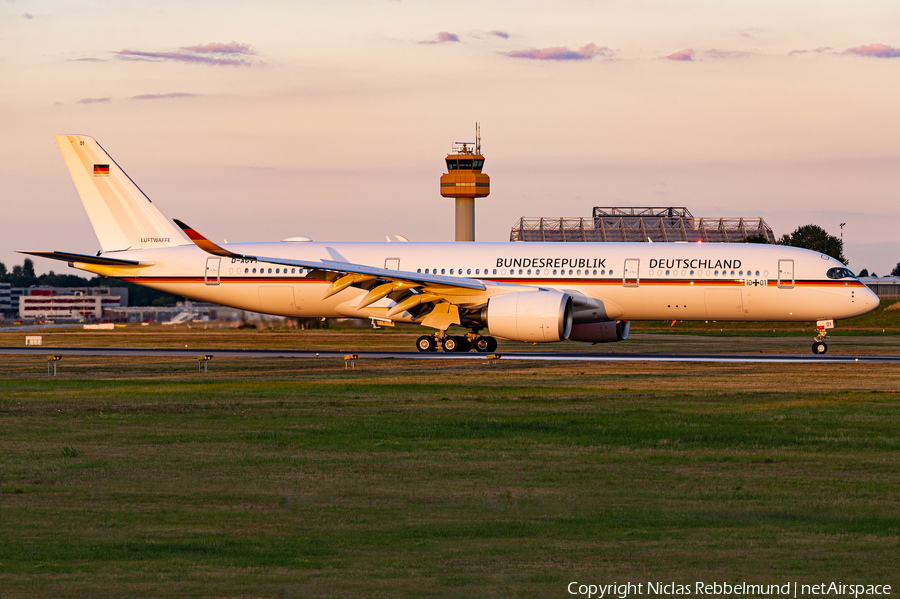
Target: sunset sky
(260,121)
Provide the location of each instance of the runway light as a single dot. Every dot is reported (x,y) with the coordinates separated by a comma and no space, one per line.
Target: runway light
(699,241)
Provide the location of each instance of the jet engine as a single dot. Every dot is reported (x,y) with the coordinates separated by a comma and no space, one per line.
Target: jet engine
(595,332)
(536,316)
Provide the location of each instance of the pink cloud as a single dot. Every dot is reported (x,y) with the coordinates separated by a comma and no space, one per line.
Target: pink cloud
(820,50)
(685,55)
(875,51)
(229,48)
(560,53)
(498,33)
(211,54)
(442,37)
(92,100)
(163,96)
(713,53)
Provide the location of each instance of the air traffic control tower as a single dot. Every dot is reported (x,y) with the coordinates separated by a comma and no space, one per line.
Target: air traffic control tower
(465,182)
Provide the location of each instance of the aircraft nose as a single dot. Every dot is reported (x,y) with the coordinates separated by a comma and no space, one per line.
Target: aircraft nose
(871,300)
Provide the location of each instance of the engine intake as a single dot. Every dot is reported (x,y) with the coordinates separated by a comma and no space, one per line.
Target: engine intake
(596,332)
(535,316)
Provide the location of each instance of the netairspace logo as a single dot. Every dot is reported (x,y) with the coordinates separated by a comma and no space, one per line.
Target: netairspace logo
(719,589)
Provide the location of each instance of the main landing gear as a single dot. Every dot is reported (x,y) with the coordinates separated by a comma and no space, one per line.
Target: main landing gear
(454,343)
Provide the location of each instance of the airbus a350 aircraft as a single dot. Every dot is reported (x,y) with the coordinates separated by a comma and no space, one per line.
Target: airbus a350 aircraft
(534,292)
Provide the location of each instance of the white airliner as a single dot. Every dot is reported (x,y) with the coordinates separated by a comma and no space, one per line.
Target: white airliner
(533,292)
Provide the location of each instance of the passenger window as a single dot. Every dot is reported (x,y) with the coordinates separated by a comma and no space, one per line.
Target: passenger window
(443,271)
(495,271)
(451,271)
(418,270)
(477,271)
(254,271)
(468,271)
(757,273)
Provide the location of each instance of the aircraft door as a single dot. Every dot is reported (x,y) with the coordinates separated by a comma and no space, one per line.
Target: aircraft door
(212,271)
(632,277)
(392,263)
(785,274)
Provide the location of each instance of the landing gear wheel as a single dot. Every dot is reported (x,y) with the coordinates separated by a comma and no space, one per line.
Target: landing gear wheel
(820,347)
(453,344)
(426,343)
(485,344)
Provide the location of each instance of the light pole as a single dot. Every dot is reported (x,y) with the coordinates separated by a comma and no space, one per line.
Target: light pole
(842,239)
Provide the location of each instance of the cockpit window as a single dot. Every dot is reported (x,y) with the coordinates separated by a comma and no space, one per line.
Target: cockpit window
(839,273)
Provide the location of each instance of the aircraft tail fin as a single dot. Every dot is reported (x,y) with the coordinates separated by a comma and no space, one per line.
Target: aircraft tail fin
(122,216)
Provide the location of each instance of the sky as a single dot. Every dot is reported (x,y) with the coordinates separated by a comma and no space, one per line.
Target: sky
(331,119)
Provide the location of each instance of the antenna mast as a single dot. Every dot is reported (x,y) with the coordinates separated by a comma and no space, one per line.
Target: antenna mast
(477,138)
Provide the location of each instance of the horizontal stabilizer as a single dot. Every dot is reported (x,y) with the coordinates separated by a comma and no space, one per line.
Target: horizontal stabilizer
(87,259)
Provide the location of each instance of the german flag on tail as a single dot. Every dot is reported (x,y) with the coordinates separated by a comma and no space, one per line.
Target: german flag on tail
(101,170)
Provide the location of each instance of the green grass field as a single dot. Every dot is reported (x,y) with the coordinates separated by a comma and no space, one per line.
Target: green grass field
(300,478)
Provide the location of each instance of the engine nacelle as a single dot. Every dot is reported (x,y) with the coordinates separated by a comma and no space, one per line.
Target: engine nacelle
(535,316)
(596,332)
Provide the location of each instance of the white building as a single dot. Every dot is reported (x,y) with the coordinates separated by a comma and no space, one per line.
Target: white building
(65,307)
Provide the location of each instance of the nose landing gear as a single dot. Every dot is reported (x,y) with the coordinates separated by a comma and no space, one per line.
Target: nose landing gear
(819,346)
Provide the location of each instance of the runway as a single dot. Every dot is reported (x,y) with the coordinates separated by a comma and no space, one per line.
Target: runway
(379,355)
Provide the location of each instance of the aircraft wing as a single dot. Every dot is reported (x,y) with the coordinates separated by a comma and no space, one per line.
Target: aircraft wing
(338,267)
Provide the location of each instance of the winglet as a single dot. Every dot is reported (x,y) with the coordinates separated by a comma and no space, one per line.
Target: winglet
(203,243)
